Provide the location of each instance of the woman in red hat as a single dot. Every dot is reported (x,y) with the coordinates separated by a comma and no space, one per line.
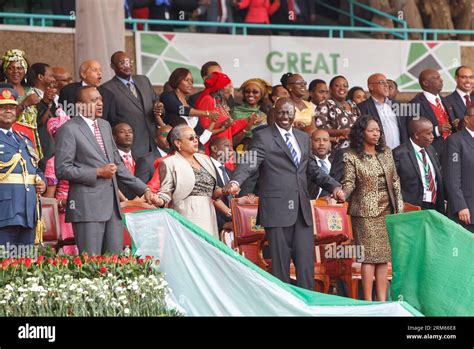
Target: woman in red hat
(212,98)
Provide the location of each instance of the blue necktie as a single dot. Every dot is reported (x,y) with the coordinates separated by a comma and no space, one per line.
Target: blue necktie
(294,155)
(12,136)
(323,166)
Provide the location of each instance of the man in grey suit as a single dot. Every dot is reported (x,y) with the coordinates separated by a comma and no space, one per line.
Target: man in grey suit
(284,161)
(88,158)
(459,173)
(135,103)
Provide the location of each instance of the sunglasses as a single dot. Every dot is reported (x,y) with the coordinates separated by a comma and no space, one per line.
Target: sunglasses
(191,138)
(251,91)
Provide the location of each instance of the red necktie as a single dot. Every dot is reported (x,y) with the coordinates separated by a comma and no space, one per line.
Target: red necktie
(128,161)
(444,117)
(468,101)
(431,185)
(98,137)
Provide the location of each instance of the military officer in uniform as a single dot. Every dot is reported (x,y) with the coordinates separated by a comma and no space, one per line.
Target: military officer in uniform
(21,182)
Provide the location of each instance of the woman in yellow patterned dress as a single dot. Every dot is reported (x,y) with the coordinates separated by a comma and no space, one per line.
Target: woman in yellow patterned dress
(372,188)
(14,69)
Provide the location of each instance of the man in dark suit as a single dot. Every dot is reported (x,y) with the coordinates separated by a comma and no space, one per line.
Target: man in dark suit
(461,98)
(284,162)
(86,156)
(145,165)
(386,110)
(419,169)
(123,138)
(321,148)
(135,103)
(220,152)
(460,171)
(434,107)
(91,75)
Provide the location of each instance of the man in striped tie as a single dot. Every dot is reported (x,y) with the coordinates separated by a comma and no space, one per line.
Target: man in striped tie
(284,164)
(87,157)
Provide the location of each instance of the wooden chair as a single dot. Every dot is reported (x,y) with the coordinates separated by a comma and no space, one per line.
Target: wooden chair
(132,206)
(248,237)
(52,225)
(332,225)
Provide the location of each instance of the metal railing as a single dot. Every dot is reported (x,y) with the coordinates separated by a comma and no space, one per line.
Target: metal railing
(333,31)
(353,17)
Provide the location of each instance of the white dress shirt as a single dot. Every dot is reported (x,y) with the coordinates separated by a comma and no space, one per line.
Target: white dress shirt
(421,167)
(218,166)
(89,123)
(462,94)
(389,122)
(293,140)
(470,132)
(122,155)
(162,152)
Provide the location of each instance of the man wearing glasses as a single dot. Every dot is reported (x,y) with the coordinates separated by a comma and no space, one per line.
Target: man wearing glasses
(381,106)
(135,102)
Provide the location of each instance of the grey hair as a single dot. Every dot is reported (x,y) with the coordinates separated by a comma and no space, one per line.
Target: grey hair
(174,135)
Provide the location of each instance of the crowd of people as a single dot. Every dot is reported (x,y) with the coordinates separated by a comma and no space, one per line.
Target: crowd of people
(438,14)
(93,144)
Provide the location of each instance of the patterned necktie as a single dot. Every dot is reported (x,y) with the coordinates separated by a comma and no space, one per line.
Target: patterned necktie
(132,88)
(444,117)
(293,153)
(429,175)
(468,101)
(128,161)
(98,137)
(323,166)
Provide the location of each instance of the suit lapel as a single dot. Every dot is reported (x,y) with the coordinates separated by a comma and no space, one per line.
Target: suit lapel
(303,145)
(414,161)
(8,140)
(434,160)
(468,138)
(458,100)
(89,135)
(141,90)
(127,92)
(428,111)
(281,143)
(106,139)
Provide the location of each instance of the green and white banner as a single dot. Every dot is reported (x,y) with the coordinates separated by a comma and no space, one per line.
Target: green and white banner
(268,57)
(207,278)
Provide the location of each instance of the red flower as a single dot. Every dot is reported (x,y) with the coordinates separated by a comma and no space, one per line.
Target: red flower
(14,263)
(5,264)
(39,260)
(51,261)
(77,260)
(140,261)
(114,258)
(148,258)
(103,270)
(28,262)
(64,261)
(157,262)
(86,257)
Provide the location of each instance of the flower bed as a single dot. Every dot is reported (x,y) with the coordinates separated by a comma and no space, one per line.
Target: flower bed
(82,286)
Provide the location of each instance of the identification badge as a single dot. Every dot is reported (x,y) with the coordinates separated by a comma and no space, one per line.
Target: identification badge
(427,196)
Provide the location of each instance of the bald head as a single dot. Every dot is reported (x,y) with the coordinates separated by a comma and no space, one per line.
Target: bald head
(91,72)
(378,86)
(62,76)
(430,81)
(421,131)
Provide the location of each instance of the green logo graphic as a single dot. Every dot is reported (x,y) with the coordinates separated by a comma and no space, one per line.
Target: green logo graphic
(444,57)
(159,57)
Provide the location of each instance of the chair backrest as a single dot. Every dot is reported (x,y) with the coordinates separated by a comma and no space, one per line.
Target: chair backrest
(50,215)
(244,220)
(407,207)
(132,206)
(331,223)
